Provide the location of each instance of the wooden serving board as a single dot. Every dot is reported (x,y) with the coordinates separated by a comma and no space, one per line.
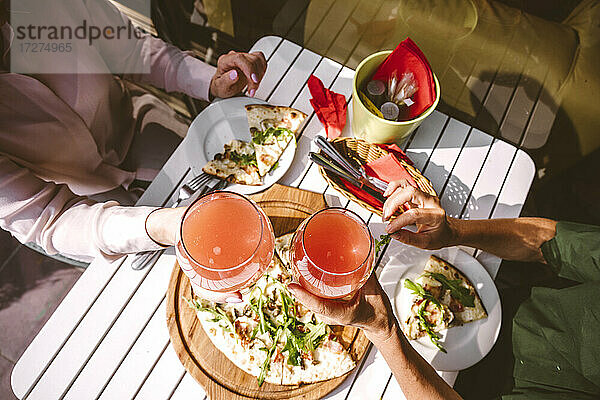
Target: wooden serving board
(286,207)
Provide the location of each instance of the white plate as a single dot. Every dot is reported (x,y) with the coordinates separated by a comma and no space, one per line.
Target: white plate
(465,345)
(218,124)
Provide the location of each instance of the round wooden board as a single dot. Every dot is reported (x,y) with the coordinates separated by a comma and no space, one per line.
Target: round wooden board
(286,207)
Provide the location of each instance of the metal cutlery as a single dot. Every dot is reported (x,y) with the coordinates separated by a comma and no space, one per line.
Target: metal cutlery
(363,184)
(332,152)
(328,149)
(198,183)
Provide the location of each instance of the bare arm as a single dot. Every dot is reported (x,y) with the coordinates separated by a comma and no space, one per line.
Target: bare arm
(170,68)
(415,376)
(370,310)
(511,239)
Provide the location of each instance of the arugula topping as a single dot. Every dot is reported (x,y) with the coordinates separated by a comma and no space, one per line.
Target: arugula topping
(243,159)
(316,333)
(460,293)
(422,313)
(219,314)
(293,346)
(421,292)
(300,337)
(381,243)
(266,366)
(427,326)
(266,136)
(264,323)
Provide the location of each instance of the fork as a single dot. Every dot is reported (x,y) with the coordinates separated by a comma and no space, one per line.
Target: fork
(144,258)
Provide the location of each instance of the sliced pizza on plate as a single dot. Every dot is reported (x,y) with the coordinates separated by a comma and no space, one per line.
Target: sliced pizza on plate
(272,129)
(270,335)
(443,298)
(237,164)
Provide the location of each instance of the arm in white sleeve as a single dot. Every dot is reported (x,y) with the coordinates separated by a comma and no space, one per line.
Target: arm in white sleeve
(169,67)
(51,216)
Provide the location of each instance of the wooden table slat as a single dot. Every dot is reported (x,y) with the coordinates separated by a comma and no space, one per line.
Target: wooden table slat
(89,333)
(277,66)
(457,189)
(140,360)
(164,377)
(57,330)
(123,333)
(422,145)
(188,389)
(444,156)
(289,86)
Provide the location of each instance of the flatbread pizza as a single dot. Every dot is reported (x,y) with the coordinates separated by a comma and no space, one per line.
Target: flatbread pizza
(443,298)
(271,336)
(264,116)
(272,129)
(237,164)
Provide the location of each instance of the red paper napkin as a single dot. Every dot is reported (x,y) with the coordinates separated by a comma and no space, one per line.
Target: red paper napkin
(329,106)
(407,57)
(386,168)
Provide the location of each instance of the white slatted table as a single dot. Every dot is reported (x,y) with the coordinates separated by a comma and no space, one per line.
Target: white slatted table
(108,339)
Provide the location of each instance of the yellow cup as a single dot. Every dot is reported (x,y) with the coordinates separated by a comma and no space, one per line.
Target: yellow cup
(369,126)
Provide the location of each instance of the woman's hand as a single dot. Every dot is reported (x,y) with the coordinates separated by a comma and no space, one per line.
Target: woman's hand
(236,71)
(162,225)
(217,297)
(368,309)
(434,228)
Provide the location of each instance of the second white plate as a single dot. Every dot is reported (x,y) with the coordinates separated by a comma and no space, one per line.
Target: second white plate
(465,345)
(218,124)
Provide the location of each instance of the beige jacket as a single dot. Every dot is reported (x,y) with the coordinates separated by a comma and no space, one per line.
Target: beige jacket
(64,136)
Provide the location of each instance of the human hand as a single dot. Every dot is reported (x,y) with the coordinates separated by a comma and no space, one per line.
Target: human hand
(217,297)
(162,225)
(236,71)
(368,309)
(434,228)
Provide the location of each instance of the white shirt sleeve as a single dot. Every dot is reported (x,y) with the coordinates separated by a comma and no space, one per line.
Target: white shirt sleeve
(169,67)
(54,218)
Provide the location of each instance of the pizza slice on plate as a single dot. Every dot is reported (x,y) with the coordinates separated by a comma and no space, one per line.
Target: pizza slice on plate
(237,164)
(272,129)
(443,298)
(271,336)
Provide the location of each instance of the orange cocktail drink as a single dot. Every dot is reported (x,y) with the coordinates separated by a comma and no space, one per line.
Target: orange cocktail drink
(332,253)
(225,242)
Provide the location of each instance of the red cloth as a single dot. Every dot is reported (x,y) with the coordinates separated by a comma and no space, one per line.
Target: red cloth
(329,106)
(386,168)
(397,151)
(407,57)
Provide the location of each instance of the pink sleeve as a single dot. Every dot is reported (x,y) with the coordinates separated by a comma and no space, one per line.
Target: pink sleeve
(53,217)
(168,67)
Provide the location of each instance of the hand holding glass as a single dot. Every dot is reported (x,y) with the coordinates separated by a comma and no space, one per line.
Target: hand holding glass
(332,253)
(225,242)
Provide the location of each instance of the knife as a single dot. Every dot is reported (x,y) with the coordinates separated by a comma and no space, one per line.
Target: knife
(329,150)
(322,161)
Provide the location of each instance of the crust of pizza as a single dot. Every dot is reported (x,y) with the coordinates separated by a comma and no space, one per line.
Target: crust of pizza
(263,116)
